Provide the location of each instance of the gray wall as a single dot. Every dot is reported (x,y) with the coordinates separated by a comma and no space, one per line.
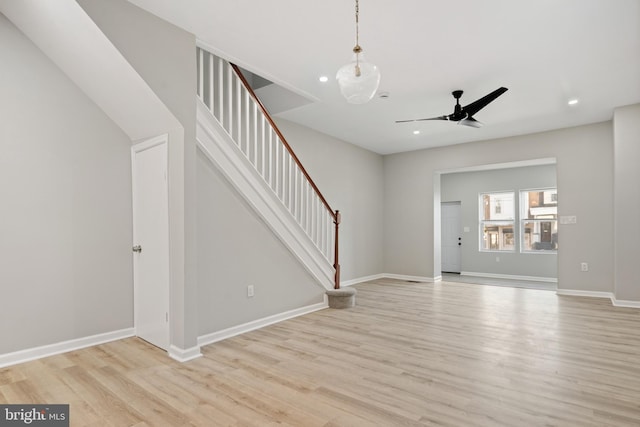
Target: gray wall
(164,56)
(627,202)
(65,186)
(585,181)
(352,180)
(237,249)
(465,188)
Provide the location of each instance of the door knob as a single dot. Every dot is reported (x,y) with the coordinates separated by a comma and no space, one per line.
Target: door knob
(459,244)
(137,248)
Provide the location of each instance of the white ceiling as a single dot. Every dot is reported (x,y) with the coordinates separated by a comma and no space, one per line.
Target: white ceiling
(544,51)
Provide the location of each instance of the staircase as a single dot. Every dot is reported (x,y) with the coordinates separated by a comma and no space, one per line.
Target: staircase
(236,133)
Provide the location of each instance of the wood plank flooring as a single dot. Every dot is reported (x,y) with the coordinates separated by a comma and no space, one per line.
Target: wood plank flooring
(409,354)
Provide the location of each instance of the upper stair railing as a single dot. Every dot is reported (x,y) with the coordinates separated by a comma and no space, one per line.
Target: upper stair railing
(229,97)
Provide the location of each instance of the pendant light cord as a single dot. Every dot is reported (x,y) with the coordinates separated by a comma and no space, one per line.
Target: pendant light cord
(357,25)
(357,49)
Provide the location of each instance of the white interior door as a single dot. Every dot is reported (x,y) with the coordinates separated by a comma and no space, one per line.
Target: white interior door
(151,241)
(451,237)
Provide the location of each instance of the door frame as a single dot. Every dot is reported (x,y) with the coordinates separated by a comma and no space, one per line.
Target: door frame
(135,149)
(458,204)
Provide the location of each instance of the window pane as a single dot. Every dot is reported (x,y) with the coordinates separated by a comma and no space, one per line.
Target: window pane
(539,215)
(497,206)
(540,235)
(539,204)
(497,213)
(497,236)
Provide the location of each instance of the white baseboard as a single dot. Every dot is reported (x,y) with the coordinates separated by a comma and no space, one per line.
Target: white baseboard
(614,301)
(411,278)
(30,354)
(260,323)
(578,293)
(361,280)
(184,355)
(625,303)
(510,277)
(390,276)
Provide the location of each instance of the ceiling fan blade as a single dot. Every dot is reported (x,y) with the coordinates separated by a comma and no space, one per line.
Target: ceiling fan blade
(422,120)
(478,105)
(470,121)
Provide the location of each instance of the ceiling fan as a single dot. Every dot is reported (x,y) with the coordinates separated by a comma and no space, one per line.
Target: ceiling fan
(464,115)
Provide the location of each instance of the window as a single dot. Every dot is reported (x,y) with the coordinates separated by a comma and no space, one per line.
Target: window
(539,220)
(497,222)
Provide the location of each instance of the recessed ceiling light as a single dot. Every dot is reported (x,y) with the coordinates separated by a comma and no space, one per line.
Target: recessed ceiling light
(323,79)
(416,132)
(573,101)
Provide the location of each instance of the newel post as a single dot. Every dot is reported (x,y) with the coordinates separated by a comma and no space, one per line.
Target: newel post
(336,263)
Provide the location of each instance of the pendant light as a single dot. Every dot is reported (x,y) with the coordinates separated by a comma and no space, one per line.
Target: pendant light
(359,79)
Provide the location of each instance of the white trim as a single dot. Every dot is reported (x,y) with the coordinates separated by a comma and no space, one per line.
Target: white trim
(139,147)
(412,278)
(389,276)
(260,323)
(30,354)
(507,165)
(625,303)
(579,293)
(184,355)
(362,280)
(222,151)
(510,277)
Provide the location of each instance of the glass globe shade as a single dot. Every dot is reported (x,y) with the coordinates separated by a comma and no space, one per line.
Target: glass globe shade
(358,89)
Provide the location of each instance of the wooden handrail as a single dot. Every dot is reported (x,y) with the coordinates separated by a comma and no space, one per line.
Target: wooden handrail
(284,141)
(334,214)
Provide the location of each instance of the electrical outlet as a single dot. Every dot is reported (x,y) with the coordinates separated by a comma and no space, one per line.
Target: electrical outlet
(584,266)
(497,259)
(250,292)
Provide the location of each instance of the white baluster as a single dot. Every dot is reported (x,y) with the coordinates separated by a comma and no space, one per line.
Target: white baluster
(238,118)
(221,91)
(305,206)
(276,170)
(230,76)
(242,118)
(289,179)
(263,148)
(294,210)
(200,73)
(255,135)
(271,158)
(210,104)
(285,172)
(314,219)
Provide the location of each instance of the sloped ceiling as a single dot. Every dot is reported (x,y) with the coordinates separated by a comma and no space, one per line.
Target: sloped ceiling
(64,32)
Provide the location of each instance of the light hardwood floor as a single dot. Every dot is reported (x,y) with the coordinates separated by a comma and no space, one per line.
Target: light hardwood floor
(408,354)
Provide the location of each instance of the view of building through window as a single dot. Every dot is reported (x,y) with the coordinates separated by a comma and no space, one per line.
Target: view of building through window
(539,220)
(538,225)
(497,221)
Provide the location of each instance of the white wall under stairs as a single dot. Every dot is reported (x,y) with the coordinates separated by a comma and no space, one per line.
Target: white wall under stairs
(222,151)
